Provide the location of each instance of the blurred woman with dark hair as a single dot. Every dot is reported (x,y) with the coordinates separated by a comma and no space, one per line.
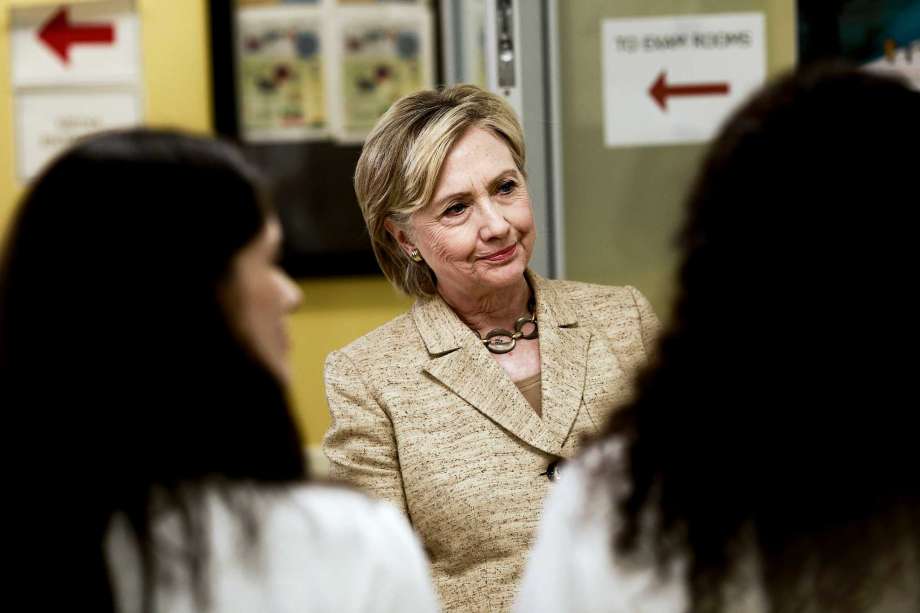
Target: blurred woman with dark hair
(769,459)
(143,363)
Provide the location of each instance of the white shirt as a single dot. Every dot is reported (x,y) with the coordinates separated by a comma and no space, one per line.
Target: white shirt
(572,567)
(319,549)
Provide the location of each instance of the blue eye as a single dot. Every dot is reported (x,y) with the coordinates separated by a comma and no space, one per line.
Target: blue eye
(455,209)
(507,187)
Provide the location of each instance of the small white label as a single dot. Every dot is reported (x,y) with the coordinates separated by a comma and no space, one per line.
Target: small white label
(50,121)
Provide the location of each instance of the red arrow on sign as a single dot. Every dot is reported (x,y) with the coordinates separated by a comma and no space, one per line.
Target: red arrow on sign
(660,90)
(59,34)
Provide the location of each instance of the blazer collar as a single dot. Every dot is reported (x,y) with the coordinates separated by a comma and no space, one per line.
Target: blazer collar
(462,364)
(442,331)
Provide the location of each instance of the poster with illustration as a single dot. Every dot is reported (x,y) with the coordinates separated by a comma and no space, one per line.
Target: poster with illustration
(242,3)
(282,86)
(353,2)
(383,56)
(881,35)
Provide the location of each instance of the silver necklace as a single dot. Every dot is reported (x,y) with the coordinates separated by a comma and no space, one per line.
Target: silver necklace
(500,340)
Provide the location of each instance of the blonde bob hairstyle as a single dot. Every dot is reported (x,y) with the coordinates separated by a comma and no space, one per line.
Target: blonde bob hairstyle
(402,158)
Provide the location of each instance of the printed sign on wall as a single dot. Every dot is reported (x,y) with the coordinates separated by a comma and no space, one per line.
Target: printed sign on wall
(75,70)
(670,80)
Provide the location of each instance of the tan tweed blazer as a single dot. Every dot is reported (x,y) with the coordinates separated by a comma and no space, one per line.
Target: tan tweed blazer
(423,416)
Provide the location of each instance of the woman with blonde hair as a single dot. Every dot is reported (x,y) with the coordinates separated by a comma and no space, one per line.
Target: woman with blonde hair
(460,410)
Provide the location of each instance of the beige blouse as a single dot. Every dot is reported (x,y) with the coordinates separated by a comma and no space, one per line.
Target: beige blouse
(530,388)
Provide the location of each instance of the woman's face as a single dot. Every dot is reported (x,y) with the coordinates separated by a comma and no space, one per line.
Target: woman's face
(477,233)
(259,297)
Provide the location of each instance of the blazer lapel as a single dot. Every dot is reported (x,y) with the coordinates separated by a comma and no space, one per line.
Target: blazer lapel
(461,363)
(564,355)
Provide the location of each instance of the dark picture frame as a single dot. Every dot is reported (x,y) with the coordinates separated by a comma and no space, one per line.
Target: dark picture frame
(311,182)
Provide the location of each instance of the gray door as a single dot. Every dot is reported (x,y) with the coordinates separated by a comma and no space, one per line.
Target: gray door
(605,215)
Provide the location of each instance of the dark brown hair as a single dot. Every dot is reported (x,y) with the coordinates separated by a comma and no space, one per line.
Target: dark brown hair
(122,383)
(780,404)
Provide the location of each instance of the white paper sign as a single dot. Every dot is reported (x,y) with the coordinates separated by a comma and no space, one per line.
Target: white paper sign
(670,80)
(50,121)
(93,43)
(75,71)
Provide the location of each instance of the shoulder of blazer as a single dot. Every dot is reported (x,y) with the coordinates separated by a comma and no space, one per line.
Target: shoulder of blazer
(596,303)
(395,336)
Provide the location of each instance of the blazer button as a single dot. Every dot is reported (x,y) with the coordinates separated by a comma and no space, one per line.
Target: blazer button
(553,470)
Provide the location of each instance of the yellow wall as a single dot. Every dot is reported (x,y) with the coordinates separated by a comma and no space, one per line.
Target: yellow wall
(176,58)
(334,313)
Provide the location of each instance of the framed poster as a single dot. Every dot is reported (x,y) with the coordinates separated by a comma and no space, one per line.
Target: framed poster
(280,74)
(381,54)
(280,91)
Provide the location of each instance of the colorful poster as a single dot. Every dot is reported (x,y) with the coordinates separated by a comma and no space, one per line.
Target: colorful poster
(382,57)
(242,3)
(380,65)
(346,2)
(281,74)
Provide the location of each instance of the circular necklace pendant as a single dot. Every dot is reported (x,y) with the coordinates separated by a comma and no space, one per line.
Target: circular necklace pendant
(500,340)
(521,322)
